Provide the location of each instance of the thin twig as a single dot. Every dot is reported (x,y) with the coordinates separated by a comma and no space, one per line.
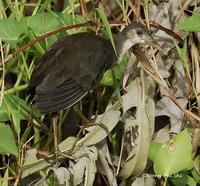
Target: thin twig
(166,30)
(3,73)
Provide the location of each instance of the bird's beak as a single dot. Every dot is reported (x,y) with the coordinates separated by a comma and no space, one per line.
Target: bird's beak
(153,43)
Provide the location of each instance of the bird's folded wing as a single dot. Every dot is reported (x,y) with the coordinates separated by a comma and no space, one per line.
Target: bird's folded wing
(63,96)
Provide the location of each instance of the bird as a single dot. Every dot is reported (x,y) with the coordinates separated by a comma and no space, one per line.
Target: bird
(76,63)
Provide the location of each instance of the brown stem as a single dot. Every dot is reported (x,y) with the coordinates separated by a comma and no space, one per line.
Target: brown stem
(166,30)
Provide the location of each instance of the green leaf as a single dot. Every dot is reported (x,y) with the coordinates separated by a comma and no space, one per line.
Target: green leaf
(192,24)
(11,29)
(153,149)
(45,22)
(18,105)
(118,71)
(195,170)
(182,52)
(4,116)
(68,19)
(107,79)
(17,109)
(183,179)
(4,181)
(174,156)
(195,175)
(7,144)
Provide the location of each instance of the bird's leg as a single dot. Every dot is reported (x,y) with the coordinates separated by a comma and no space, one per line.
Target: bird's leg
(85,120)
(88,123)
(55,133)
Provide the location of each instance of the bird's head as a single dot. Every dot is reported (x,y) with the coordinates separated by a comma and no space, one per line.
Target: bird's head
(133,34)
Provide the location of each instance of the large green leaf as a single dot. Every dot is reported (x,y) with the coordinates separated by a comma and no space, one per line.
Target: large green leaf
(45,22)
(191,24)
(153,149)
(174,156)
(7,144)
(11,29)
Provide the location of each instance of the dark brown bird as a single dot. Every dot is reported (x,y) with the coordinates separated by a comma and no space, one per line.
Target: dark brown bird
(76,63)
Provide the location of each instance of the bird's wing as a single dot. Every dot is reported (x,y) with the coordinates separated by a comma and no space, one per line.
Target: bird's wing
(43,66)
(69,69)
(65,95)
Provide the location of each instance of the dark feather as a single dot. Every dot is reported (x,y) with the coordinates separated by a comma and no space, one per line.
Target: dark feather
(69,69)
(62,97)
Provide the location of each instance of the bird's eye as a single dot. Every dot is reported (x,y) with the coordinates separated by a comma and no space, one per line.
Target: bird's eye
(139,32)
